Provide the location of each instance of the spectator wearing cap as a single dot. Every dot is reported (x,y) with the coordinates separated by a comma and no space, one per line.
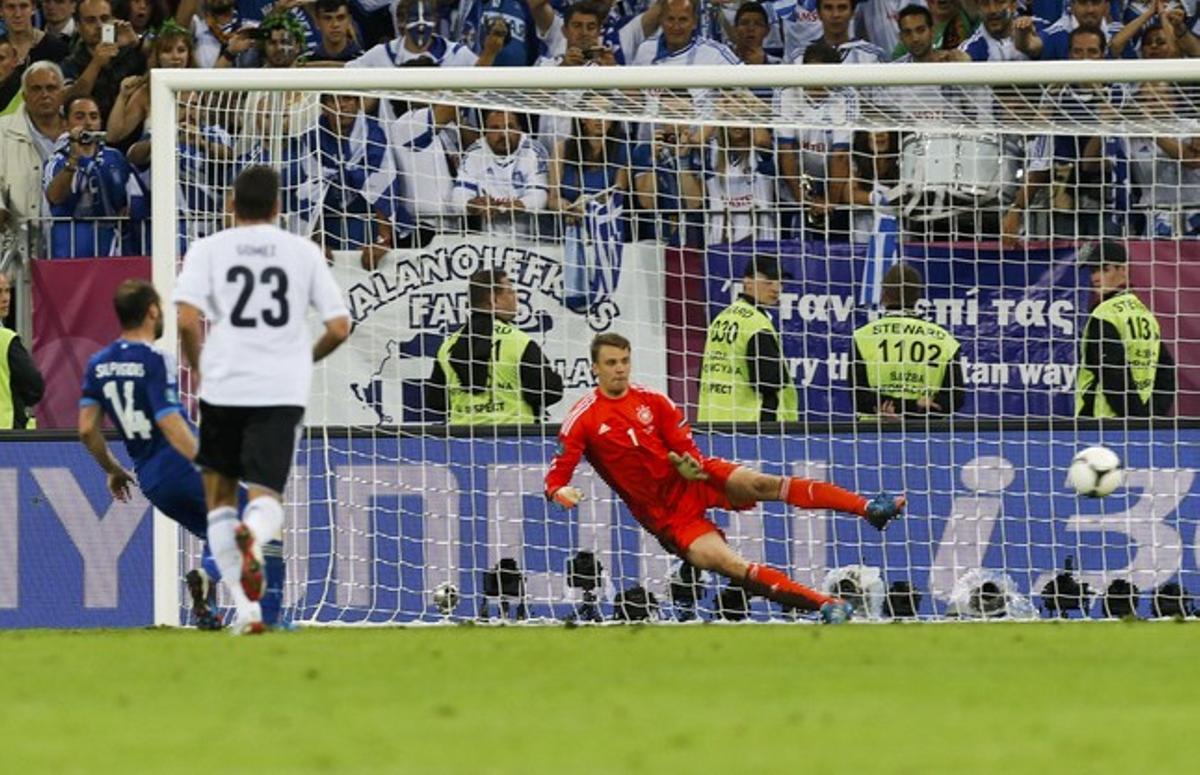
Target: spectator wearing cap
(905,366)
(744,377)
(1125,369)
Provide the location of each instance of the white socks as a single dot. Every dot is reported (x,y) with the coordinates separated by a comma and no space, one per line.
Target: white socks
(264,517)
(222,522)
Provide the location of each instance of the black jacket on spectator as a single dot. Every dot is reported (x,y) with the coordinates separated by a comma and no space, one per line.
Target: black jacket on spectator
(26,382)
(1104,353)
(129,61)
(471,358)
(51,48)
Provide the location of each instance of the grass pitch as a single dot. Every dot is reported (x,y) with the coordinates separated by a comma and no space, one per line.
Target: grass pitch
(935,698)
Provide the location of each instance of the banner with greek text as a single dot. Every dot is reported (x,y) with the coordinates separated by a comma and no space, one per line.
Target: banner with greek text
(1017,317)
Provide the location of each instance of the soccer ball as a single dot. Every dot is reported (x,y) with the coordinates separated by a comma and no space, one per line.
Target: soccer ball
(1095,472)
(445,597)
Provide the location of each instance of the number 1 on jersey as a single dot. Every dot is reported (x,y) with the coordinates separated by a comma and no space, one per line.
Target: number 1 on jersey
(133,421)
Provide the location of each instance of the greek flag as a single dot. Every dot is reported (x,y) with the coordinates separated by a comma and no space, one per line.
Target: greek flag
(592,252)
(882,251)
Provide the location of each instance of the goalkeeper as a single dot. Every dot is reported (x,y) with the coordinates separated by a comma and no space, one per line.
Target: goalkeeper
(132,381)
(640,443)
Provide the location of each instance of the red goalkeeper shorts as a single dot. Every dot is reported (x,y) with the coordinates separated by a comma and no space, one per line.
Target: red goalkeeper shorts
(681,520)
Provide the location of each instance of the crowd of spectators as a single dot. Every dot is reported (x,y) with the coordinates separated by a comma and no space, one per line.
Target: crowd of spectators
(373,174)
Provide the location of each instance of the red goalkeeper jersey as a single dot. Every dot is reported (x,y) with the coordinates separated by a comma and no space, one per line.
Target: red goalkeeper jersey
(626,440)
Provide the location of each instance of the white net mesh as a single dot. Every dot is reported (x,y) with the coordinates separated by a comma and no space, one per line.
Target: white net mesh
(638,211)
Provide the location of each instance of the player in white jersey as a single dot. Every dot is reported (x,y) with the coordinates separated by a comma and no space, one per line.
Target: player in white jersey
(254,283)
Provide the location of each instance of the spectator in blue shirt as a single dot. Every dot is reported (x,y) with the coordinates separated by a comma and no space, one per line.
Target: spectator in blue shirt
(86,187)
(1052,42)
(521,46)
(338,41)
(592,162)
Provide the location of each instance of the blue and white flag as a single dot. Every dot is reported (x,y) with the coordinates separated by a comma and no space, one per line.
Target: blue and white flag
(592,252)
(882,251)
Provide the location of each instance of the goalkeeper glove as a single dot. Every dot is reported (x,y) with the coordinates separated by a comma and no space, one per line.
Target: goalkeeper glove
(687,466)
(567,497)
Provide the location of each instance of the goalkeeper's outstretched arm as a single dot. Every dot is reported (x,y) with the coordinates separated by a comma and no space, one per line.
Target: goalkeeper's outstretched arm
(571,443)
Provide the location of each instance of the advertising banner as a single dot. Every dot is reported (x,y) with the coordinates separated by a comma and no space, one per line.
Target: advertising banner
(368,541)
(380,538)
(1018,318)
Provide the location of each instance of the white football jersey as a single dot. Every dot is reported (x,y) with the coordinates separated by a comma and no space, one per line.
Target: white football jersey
(255,285)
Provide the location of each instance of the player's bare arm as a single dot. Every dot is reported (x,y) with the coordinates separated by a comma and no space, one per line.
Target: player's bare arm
(190,332)
(119,478)
(337,331)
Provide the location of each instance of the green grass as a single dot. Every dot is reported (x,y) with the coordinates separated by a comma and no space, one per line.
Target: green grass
(754,699)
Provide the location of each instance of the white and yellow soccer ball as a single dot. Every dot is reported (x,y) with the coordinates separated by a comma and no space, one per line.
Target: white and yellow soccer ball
(1096,472)
(445,597)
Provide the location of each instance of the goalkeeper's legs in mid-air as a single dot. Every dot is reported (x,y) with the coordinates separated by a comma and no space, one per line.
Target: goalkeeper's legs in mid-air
(719,483)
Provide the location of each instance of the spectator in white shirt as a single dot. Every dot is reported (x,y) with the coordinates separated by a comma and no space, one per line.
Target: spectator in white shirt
(739,179)
(679,44)
(879,22)
(419,21)
(814,152)
(581,28)
(837,18)
(993,40)
(503,180)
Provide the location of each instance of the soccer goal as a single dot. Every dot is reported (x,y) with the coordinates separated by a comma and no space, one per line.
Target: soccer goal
(645,201)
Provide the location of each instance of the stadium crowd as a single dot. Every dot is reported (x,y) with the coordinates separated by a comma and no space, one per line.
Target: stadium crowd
(74,99)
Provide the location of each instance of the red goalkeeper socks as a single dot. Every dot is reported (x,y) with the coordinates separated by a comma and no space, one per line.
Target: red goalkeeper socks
(775,585)
(811,494)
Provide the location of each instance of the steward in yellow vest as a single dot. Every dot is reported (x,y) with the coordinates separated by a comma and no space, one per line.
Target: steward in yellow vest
(744,377)
(903,365)
(21,384)
(1125,370)
(489,372)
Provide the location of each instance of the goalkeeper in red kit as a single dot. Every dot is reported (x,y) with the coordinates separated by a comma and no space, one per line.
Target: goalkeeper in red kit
(640,443)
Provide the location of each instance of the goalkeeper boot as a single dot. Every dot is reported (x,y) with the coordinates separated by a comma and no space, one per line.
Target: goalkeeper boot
(253,581)
(204,600)
(883,508)
(836,612)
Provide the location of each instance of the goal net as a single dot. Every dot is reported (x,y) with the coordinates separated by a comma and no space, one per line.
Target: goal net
(647,201)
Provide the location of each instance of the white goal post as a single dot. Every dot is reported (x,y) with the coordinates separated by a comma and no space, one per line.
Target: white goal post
(973,473)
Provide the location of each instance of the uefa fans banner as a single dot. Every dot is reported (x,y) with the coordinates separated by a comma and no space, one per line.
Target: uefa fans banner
(403,311)
(1018,317)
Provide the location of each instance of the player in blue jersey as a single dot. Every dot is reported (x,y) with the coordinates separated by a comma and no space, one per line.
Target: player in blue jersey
(133,383)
